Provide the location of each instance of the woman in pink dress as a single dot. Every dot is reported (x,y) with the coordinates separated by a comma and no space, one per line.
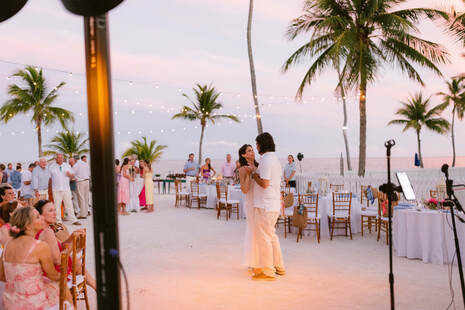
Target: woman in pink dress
(123,188)
(23,263)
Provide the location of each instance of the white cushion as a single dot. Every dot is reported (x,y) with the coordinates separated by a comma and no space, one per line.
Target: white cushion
(289,211)
(340,214)
(79,279)
(233,201)
(369,212)
(182,193)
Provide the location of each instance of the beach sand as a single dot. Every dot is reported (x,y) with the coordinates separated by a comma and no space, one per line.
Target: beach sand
(180,258)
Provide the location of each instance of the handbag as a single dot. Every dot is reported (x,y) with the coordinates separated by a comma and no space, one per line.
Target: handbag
(288,200)
(299,218)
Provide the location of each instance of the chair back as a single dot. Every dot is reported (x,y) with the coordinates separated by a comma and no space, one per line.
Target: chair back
(310,201)
(63,283)
(78,254)
(177,186)
(195,188)
(336,187)
(309,186)
(221,191)
(363,194)
(342,203)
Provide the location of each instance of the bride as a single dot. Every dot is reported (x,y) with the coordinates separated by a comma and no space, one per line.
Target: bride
(247,167)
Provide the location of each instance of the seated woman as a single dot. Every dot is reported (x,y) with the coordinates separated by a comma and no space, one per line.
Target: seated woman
(23,263)
(7,205)
(206,170)
(55,235)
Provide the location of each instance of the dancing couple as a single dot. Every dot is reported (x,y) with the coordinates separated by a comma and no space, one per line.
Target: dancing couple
(261,184)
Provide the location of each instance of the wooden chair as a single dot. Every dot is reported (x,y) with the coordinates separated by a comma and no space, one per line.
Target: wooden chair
(233,205)
(369,216)
(221,201)
(78,283)
(63,283)
(180,195)
(310,201)
(285,218)
(336,187)
(195,194)
(342,203)
(383,221)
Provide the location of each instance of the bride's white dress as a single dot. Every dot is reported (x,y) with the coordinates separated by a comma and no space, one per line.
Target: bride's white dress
(251,250)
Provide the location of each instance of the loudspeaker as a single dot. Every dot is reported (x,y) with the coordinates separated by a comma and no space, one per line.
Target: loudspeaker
(90,7)
(8,8)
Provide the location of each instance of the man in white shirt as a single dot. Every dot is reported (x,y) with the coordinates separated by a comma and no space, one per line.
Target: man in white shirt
(61,173)
(228,170)
(82,175)
(267,204)
(26,184)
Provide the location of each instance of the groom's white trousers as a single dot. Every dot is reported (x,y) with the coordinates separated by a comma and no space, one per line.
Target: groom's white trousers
(269,249)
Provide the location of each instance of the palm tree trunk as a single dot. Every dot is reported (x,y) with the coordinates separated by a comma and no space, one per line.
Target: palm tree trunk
(363,129)
(201,142)
(258,116)
(453,136)
(344,126)
(419,149)
(39,137)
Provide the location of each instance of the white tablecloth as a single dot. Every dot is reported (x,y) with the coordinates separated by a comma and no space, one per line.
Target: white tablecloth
(325,207)
(426,235)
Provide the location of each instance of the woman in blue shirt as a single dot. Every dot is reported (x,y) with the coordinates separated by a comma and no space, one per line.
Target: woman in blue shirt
(289,171)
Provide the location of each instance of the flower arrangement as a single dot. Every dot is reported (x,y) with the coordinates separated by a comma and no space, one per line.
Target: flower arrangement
(433,204)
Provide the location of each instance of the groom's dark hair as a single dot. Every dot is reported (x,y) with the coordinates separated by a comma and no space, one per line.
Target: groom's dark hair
(265,142)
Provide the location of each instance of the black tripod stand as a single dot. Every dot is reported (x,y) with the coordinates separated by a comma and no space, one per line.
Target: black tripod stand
(389,189)
(451,201)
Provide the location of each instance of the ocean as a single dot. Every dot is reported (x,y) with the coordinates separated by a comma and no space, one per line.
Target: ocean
(325,165)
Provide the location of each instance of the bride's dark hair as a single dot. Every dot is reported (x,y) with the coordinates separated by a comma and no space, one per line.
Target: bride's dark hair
(242,160)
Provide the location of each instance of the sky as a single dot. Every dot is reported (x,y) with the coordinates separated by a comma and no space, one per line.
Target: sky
(161,49)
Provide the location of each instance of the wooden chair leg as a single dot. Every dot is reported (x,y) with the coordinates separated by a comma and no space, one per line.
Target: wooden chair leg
(332,229)
(285,228)
(350,227)
(369,224)
(379,230)
(346,227)
(362,226)
(387,239)
(86,297)
(318,231)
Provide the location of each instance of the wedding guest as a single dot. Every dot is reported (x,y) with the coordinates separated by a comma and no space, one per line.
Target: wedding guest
(27,193)
(82,175)
(8,171)
(207,170)
(117,171)
(73,187)
(41,179)
(15,179)
(267,204)
(56,235)
(133,204)
(148,184)
(289,171)
(61,173)
(191,169)
(123,188)
(228,170)
(24,262)
(8,204)
(3,174)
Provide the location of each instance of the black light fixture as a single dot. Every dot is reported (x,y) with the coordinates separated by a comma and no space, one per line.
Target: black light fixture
(90,7)
(8,8)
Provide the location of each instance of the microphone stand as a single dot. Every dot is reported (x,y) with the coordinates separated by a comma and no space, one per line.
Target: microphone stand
(450,202)
(389,190)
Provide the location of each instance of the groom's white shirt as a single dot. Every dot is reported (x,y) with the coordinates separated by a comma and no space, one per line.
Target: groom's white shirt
(269,169)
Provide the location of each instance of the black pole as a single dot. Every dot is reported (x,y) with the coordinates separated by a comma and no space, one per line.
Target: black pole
(451,203)
(99,105)
(389,194)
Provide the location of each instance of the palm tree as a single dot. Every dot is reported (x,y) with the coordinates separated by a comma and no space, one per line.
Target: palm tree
(416,114)
(35,98)
(203,109)
(456,96)
(151,152)
(258,116)
(69,143)
(363,35)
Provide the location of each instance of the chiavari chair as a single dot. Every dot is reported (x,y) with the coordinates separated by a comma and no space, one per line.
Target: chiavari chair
(340,216)
(310,202)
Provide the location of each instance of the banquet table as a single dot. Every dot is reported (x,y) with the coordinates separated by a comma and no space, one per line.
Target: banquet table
(426,235)
(325,207)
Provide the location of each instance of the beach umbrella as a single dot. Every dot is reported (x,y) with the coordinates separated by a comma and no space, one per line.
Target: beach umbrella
(341,165)
(417,160)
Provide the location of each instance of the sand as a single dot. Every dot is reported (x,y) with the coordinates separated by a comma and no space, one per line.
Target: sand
(179,258)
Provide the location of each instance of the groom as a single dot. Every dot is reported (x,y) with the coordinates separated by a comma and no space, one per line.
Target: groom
(267,203)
